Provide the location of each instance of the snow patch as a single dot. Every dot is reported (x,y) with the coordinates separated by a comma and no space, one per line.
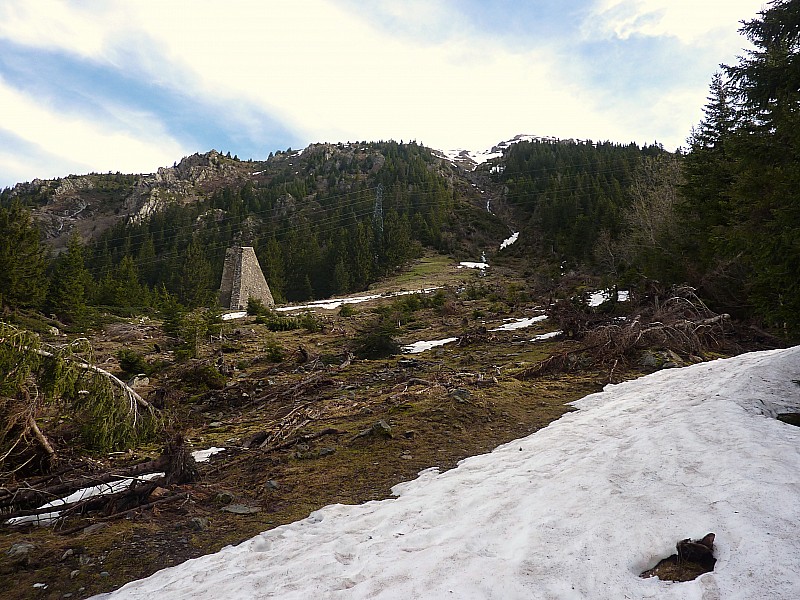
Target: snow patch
(205,455)
(547,336)
(520,323)
(418,347)
(597,298)
(576,510)
(333,303)
(510,240)
(102,489)
(239,314)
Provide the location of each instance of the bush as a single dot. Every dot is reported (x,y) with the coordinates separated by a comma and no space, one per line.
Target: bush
(347,310)
(310,322)
(274,352)
(274,322)
(256,307)
(208,376)
(376,341)
(133,363)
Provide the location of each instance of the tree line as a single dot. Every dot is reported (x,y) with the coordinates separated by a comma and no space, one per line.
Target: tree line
(722,214)
(332,228)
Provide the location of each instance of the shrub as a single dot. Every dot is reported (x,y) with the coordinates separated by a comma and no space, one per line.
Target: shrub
(376,341)
(274,322)
(256,307)
(133,363)
(274,352)
(310,322)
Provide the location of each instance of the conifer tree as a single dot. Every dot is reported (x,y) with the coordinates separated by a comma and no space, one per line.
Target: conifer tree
(22,259)
(195,284)
(764,197)
(69,287)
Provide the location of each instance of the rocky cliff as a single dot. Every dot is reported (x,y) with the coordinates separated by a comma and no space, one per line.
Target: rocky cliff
(92,203)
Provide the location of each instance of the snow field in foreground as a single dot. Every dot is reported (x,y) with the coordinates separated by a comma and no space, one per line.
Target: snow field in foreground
(575,510)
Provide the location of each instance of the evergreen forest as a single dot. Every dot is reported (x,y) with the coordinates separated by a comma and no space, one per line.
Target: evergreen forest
(721,215)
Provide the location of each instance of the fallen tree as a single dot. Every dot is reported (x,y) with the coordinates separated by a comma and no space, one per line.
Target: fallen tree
(110,492)
(36,378)
(675,321)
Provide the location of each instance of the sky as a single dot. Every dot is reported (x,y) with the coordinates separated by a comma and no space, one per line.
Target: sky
(113,85)
(574,511)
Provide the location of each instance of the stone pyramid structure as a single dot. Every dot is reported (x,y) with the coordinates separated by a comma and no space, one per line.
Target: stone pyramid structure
(242,279)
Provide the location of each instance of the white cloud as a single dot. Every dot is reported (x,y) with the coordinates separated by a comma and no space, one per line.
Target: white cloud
(334,76)
(84,30)
(691,21)
(327,72)
(131,143)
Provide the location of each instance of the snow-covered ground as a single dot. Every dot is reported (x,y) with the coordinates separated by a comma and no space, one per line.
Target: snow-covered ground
(473,158)
(576,510)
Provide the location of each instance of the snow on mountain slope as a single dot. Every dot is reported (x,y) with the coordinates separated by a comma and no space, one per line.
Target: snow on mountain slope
(469,159)
(576,510)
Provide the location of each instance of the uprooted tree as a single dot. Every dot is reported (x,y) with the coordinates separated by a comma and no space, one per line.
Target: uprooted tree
(674,320)
(43,386)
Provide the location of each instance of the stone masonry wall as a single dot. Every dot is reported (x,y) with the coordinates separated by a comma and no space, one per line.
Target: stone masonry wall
(242,279)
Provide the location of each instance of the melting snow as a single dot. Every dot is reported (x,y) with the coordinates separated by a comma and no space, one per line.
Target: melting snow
(546,336)
(575,510)
(473,265)
(204,455)
(597,298)
(520,323)
(418,347)
(234,315)
(508,241)
(102,489)
(333,303)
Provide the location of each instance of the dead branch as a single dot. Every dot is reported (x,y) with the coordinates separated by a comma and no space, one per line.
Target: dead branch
(119,515)
(300,439)
(175,461)
(40,436)
(679,324)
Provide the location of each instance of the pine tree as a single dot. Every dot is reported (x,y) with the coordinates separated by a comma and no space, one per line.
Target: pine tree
(146,261)
(70,283)
(195,285)
(270,257)
(710,169)
(765,200)
(22,259)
